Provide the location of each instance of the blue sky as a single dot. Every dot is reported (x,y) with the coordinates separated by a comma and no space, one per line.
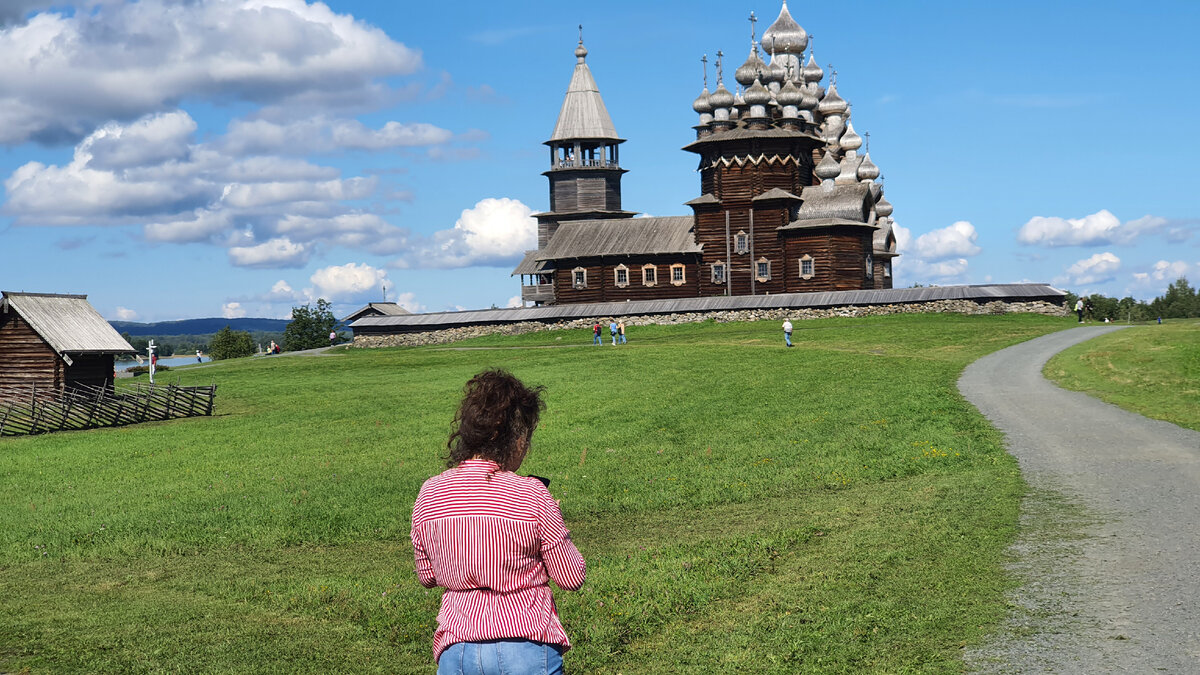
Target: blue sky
(192,159)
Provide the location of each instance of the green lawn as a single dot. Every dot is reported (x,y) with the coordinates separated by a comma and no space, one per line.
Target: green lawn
(1153,370)
(743,507)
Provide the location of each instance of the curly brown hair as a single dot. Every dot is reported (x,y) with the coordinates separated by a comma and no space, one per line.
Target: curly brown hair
(496,413)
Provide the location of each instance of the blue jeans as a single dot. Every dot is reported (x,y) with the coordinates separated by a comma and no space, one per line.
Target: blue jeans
(787,337)
(501,657)
(595,338)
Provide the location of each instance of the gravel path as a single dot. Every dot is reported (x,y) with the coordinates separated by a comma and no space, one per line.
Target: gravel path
(1109,553)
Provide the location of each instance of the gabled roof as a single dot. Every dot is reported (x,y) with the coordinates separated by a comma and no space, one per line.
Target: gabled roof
(884,241)
(844,202)
(68,323)
(624,236)
(377,309)
(706,198)
(531,265)
(583,114)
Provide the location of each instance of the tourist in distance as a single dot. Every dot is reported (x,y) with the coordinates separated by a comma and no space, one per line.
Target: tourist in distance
(621,331)
(494,540)
(612,331)
(787,332)
(1079,309)
(596,333)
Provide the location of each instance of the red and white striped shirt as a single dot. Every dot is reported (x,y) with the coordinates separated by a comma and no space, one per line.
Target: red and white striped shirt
(493,539)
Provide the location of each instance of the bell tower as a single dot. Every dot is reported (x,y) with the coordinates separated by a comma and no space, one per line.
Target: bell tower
(585,169)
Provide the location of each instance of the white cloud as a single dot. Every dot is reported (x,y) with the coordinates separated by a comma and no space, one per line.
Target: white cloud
(278,252)
(955,241)
(123,60)
(409,301)
(515,301)
(124,314)
(322,134)
(1170,271)
(347,283)
(232,310)
(1099,267)
(941,270)
(1098,229)
(493,232)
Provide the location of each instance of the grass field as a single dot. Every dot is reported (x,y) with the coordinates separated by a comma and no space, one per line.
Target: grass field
(1153,370)
(836,507)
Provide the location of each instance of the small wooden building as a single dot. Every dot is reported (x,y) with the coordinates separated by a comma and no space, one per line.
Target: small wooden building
(51,342)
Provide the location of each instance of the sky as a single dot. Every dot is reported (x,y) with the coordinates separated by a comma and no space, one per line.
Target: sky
(201,158)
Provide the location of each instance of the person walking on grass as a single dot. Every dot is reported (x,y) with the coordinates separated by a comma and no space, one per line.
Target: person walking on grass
(596,333)
(612,331)
(494,540)
(621,331)
(787,332)
(1079,309)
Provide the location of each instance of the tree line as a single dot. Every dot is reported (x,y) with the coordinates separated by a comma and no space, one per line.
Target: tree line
(1181,301)
(309,328)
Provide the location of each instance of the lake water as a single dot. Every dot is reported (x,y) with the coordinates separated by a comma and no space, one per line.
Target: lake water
(181,360)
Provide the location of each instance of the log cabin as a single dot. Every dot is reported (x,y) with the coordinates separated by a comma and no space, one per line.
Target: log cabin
(786,205)
(51,342)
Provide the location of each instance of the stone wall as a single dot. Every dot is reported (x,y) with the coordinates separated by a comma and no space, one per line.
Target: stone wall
(448,335)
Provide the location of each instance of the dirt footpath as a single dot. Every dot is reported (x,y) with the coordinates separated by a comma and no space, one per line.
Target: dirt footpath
(1109,553)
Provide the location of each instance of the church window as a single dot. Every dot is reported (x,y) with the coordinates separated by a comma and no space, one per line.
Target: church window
(762,270)
(718,272)
(870,266)
(649,275)
(887,268)
(579,277)
(807,266)
(741,242)
(621,276)
(677,274)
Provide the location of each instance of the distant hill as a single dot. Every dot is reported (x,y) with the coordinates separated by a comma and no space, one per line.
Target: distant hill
(198,326)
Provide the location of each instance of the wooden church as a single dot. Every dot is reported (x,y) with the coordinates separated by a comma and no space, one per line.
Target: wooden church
(787,204)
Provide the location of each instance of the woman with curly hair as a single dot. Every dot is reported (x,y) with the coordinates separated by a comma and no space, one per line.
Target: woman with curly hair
(494,540)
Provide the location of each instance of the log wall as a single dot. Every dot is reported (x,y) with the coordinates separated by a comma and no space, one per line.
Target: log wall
(25,358)
(601,282)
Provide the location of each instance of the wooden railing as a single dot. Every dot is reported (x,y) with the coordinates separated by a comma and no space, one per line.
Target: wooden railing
(538,293)
(28,410)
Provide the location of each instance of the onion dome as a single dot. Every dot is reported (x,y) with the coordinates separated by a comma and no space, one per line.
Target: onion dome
(812,72)
(850,140)
(757,94)
(581,52)
(721,98)
(703,104)
(832,104)
(749,70)
(809,102)
(775,72)
(883,208)
(790,94)
(867,170)
(828,167)
(785,36)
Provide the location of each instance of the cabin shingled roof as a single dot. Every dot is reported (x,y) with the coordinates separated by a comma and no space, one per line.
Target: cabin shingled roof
(384,308)
(624,236)
(531,265)
(68,323)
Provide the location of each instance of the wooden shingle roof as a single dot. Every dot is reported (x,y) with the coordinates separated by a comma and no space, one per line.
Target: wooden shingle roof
(376,309)
(844,202)
(68,323)
(622,236)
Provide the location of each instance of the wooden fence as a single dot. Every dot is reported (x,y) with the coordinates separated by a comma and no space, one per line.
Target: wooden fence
(27,410)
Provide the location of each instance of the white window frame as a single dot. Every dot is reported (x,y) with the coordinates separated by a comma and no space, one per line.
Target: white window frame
(812,265)
(617,271)
(575,282)
(719,265)
(761,277)
(653,280)
(682,274)
(741,242)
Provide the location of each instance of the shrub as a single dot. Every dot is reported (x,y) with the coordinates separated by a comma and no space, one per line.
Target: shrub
(230,344)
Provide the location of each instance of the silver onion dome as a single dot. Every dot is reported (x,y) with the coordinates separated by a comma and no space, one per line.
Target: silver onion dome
(785,36)
(790,94)
(850,140)
(721,98)
(775,72)
(703,104)
(749,70)
(812,72)
(581,52)
(867,170)
(832,104)
(757,94)
(883,208)
(828,167)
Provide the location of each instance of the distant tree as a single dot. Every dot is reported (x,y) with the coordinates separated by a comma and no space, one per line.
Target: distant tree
(310,327)
(1179,302)
(230,344)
